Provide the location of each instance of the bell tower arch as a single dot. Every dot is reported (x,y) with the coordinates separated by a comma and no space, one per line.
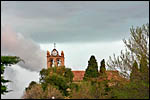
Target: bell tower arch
(54,59)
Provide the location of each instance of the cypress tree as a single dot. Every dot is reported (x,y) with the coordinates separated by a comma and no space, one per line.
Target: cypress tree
(102,67)
(92,69)
(103,74)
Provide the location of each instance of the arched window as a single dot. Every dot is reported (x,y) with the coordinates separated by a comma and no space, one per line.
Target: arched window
(52,63)
(58,62)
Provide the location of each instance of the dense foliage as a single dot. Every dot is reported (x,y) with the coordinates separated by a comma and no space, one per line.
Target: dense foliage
(60,78)
(92,69)
(135,60)
(91,90)
(135,72)
(37,92)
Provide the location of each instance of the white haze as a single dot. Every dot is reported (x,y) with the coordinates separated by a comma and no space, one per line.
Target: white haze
(20,79)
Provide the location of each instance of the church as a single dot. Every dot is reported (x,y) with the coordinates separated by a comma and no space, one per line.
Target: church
(54,59)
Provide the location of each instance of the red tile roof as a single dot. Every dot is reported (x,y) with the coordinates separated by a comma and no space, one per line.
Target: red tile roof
(78,75)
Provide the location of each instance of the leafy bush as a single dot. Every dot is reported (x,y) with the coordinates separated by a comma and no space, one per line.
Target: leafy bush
(60,77)
(91,90)
(37,92)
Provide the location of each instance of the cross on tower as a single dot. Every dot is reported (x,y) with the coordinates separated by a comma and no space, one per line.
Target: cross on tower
(54,45)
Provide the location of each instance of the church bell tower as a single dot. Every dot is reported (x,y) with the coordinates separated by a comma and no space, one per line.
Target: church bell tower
(54,59)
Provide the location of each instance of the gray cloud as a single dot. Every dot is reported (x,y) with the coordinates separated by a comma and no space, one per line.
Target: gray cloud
(16,45)
(64,21)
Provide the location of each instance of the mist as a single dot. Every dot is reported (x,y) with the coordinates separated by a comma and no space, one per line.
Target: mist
(20,79)
(15,44)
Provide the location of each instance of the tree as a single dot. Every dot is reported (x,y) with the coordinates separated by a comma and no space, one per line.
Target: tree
(62,71)
(144,69)
(91,90)
(136,53)
(43,74)
(68,74)
(60,82)
(92,69)
(122,63)
(135,71)
(57,77)
(84,91)
(137,87)
(137,46)
(52,92)
(131,90)
(7,61)
(30,85)
(99,90)
(35,92)
(143,65)
(103,74)
(102,67)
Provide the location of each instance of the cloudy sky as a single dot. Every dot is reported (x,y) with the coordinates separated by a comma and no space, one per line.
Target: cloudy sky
(79,28)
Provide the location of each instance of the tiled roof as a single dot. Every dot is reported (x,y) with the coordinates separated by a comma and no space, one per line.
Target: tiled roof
(78,75)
